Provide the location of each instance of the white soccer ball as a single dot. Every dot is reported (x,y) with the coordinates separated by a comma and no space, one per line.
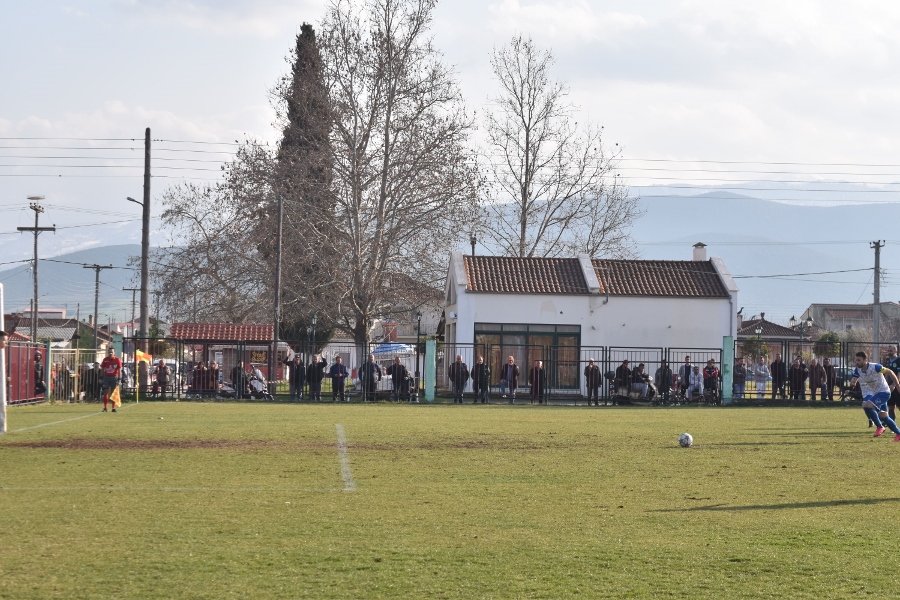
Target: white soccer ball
(685,440)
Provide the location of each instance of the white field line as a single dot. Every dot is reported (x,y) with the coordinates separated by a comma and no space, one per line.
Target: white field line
(344,456)
(165,489)
(93,414)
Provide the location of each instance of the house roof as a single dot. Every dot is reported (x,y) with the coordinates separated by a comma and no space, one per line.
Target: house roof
(222,332)
(769,330)
(668,278)
(56,333)
(515,275)
(661,278)
(15,336)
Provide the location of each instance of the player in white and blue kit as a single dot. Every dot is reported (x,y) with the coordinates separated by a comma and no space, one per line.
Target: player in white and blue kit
(875,392)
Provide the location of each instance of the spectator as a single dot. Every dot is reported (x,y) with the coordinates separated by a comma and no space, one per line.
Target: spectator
(458,373)
(695,383)
(315,373)
(481,380)
(797,375)
(160,378)
(369,376)
(779,374)
(623,378)
(739,379)
(399,380)
(761,375)
(239,379)
(4,339)
(212,376)
(592,380)
(640,381)
(40,387)
(509,375)
(199,379)
(892,362)
(684,374)
(817,380)
(663,378)
(537,379)
(711,377)
(338,374)
(296,376)
(830,379)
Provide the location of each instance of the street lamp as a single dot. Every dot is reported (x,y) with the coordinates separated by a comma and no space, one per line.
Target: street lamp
(145,263)
(418,336)
(758,332)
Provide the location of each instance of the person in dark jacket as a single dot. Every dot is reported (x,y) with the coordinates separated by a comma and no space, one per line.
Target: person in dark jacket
(481,380)
(623,377)
(296,377)
(684,375)
(592,380)
(315,373)
(779,373)
(817,377)
(369,376)
(509,373)
(797,377)
(239,380)
(663,380)
(399,375)
(739,379)
(338,374)
(40,388)
(830,379)
(458,373)
(538,380)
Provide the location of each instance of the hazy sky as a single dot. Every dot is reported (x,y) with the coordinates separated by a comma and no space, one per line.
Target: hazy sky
(800,82)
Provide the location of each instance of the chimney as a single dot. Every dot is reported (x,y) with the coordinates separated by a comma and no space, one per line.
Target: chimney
(91,320)
(699,252)
(762,316)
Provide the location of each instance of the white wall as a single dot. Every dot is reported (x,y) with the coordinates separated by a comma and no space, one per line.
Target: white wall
(623,321)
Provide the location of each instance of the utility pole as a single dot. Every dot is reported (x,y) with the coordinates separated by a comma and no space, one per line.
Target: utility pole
(145,246)
(38,209)
(97,269)
(132,290)
(877,245)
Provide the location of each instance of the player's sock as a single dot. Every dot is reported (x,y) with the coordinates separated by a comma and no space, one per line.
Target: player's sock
(892,425)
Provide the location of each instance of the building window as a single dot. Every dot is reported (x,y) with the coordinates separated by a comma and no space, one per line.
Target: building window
(557,345)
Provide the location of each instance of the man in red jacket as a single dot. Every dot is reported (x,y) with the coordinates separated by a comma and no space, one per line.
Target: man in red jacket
(110,369)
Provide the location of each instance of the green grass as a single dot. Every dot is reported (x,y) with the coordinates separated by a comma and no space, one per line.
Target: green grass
(246,500)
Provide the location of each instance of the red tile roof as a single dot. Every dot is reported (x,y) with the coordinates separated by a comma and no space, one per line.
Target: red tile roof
(513,275)
(222,332)
(661,278)
(15,336)
(769,329)
(665,278)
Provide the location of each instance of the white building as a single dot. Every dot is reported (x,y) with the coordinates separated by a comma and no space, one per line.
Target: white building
(527,307)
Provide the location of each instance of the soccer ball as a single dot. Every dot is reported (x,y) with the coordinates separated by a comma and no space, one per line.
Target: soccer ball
(685,440)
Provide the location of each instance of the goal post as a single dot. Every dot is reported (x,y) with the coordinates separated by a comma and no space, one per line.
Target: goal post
(2,367)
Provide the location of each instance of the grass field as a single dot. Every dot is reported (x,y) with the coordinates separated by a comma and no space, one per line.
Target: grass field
(192,500)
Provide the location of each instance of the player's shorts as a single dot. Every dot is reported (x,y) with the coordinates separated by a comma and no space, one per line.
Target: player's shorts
(110,383)
(880,400)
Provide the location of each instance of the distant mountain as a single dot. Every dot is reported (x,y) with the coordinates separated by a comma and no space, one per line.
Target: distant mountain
(762,237)
(64,283)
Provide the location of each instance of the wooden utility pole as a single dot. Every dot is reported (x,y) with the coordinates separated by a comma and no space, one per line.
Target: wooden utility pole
(145,247)
(877,245)
(97,269)
(133,291)
(38,209)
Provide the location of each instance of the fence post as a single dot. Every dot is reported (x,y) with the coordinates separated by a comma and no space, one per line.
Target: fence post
(429,361)
(727,369)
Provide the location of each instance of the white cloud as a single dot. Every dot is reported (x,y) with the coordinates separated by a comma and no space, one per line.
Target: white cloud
(562,22)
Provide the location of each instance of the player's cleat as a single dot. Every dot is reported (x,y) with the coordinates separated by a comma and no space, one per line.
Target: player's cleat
(871,424)
(104,410)
(897,438)
(878,432)
(114,410)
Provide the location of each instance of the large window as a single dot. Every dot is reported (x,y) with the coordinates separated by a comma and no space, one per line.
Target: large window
(556,345)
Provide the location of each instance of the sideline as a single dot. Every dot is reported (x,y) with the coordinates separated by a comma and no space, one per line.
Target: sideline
(344,456)
(93,414)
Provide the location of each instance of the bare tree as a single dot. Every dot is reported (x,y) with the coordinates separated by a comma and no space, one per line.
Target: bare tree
(209,256)
(556,192)
(403,183)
